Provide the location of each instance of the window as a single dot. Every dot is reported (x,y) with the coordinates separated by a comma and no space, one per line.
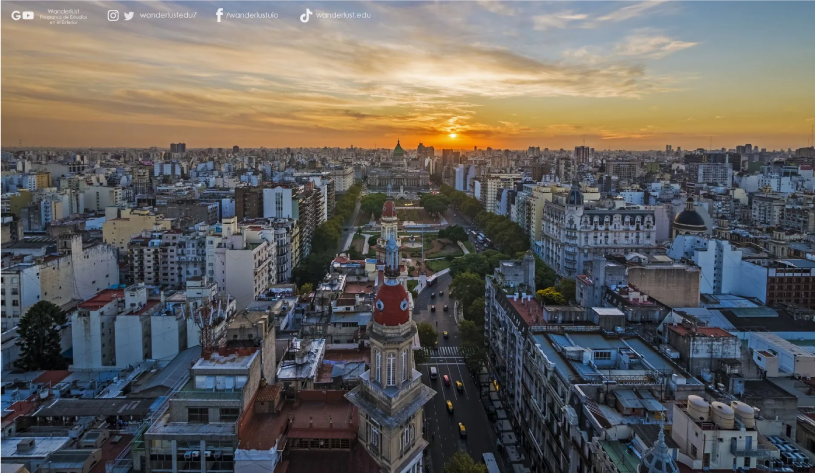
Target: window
(602,355)
(373,434)
(378,366)
(391,370)
(693,451)
(198,415)
(230,414)
(404,365)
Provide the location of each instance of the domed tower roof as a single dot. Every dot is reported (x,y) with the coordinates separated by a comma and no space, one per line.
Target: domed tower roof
(398,152)
(689,218)
(657,459)
(391,305)
(389,209)
(575,196)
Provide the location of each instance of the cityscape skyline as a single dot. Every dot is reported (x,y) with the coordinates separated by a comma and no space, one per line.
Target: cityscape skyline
(618,75)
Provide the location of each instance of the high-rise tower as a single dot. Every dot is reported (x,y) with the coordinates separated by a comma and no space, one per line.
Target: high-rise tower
(391,395)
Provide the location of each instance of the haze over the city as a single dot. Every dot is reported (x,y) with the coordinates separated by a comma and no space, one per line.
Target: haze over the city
(453,75)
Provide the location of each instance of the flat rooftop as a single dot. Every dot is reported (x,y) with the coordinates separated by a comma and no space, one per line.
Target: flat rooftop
(236,360)
(700,331)
(43,446)
(310,420)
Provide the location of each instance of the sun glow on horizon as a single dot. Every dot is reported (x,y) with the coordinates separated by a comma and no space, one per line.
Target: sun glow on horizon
(453,135)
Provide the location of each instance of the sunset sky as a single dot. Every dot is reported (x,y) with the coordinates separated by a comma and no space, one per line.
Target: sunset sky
(507,75)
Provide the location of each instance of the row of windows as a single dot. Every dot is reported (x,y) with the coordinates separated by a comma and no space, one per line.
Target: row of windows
(390,375)
(200,415)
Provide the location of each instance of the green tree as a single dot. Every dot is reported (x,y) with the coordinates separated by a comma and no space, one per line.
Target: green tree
(428,336)
(467,287)
(39,339)
(373,203)
(473,344)
(372,240)
(462,462)
(476,311)
(567,288)
(307,288)
(550,296)
(355,254)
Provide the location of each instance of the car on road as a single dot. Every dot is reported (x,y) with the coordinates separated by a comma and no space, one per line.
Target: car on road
(450,407)
(462,430)
(432,308)
(445,334)
(446,380)
(432,295)
(460,386)
(441,293)
(434,373)
(445,307)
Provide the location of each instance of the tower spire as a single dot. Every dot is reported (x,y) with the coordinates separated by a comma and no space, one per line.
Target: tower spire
(392,257)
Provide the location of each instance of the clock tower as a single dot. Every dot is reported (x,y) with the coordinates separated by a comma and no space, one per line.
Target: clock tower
(391,395)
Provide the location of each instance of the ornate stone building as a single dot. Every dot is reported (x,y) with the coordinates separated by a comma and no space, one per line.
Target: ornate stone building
(390,227)
(391,395)
(574,233)
(396,173)
(688,221)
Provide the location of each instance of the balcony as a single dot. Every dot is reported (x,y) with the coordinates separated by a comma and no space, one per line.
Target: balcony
(753,452)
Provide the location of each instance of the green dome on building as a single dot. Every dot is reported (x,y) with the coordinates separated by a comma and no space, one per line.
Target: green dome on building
(398,152)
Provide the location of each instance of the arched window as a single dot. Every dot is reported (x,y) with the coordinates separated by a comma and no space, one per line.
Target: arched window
(378,366)
(391,375)
(404,365)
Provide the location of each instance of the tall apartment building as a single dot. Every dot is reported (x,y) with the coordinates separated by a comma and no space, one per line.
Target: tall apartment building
(166,259)
(249,202)
(767,209)
(98,198)
(122,224)
(199,431)
(626,170)
(343,178)
(582,154)
(240,262)
(492,183)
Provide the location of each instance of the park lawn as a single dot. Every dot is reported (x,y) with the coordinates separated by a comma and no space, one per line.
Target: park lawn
(437,265)
(358,242)
(411,284)
(469,245)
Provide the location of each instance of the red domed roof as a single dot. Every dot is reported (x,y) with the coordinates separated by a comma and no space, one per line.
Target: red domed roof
(391,306)
(389,210)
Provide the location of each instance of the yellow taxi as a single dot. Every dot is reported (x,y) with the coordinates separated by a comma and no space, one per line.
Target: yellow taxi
(450,407)
(460,386)
(462,430)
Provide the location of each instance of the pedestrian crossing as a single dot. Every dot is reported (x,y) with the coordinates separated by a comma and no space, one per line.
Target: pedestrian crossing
(444,352)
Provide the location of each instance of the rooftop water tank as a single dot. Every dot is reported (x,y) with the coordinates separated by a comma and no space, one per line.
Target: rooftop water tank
(722,415)
(745,413)
(698,408)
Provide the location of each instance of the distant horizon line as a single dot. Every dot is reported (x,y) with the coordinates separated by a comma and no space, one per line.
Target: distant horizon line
(23,148)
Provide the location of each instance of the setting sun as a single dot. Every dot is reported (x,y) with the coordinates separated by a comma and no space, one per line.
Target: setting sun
(452,135)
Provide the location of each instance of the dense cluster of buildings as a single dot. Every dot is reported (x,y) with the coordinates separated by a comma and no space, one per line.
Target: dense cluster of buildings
(688,345)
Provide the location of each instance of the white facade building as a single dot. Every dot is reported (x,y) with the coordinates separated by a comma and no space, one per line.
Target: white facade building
(573,234)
